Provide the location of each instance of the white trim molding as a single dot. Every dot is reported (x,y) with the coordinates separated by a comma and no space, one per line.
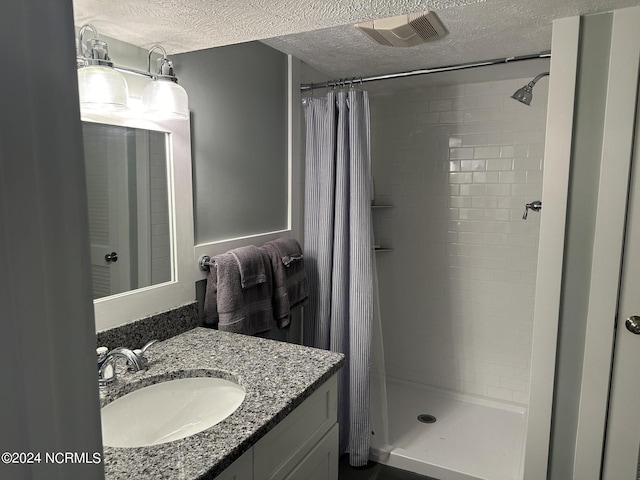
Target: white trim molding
(557,156)
(295,185)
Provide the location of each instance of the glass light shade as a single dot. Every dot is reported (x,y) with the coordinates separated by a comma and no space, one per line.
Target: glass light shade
(165,98)
(102,88)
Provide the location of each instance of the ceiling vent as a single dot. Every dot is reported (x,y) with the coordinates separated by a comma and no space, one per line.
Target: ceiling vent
(404,30)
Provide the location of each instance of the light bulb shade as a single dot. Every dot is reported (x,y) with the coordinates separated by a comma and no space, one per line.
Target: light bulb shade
(102,88)
(165,98)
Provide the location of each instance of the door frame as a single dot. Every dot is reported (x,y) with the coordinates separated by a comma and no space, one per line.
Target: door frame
(618,134)
(617,151)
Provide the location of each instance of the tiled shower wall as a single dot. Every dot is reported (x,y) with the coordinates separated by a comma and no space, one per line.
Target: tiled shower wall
(458,164)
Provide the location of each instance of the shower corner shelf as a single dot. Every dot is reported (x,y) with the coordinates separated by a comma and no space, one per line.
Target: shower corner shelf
(378,248)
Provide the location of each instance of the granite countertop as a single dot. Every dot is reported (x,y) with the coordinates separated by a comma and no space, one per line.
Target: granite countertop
(277,377)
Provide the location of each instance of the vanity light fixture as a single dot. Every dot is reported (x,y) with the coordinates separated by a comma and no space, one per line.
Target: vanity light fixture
(163,95)
(100,86)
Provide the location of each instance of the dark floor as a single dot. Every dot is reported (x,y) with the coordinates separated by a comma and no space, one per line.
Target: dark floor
(375,471)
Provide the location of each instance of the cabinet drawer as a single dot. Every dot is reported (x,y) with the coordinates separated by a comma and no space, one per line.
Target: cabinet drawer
(241,469)
(276,454)
(321,463)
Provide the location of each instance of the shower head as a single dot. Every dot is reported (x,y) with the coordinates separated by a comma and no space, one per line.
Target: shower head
(525,94)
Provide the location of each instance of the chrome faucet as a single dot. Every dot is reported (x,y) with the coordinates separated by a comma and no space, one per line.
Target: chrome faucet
(136,361)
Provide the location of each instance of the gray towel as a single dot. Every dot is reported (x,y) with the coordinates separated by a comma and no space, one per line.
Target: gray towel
(251,264)
(233,308)
(290,286)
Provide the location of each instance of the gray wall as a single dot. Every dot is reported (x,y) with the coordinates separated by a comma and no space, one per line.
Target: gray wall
(238,102)
(49,400)
(583,195)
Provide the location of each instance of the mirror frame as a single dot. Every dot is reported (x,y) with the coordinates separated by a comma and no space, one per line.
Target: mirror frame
(132,305)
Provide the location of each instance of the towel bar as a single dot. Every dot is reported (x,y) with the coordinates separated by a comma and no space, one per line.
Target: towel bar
(204,262)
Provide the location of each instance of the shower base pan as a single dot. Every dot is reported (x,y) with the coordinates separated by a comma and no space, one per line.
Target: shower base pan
(471,439)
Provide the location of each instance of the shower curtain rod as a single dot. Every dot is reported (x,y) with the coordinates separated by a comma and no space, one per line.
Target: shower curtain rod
(461,66)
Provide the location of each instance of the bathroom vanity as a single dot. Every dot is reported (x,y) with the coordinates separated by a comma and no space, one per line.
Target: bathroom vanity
(285,427)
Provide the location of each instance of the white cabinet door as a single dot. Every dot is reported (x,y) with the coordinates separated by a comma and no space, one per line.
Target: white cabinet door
(623,425)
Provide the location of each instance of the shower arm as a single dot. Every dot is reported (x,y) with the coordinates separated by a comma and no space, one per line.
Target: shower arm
(537,77)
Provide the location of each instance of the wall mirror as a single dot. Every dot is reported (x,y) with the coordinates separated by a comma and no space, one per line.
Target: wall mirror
(138,179)
(128,197)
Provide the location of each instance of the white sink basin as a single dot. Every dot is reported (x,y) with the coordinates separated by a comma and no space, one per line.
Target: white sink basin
(169,411)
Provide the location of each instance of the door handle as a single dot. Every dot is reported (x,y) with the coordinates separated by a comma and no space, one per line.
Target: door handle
(633,324)
(111,257)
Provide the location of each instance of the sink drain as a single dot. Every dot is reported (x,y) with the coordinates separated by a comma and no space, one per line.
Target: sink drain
(425,418)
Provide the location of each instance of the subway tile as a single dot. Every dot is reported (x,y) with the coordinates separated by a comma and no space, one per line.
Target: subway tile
(495,164)
(526,190)
(490,101)
(536,150)
(511,202)
(460,153)
(500,138)
(465,103)
(512,177)
(463,129)
(478,115)
(427,118)
(471,214)
(523,164)
(514,384)
(529,137)
(502,371)
(498,190)
(460,201)
(472,165)
(534,177)
(440,105)
(460,177)
(490,127)
(451,91)
(470,238)
(523,240)
(474,190)
(520,150)
(484,202)
(507,151)
(455,142)
(523,264)
(477,89)
(495,239)
(478,139)
(486,152)
(485,177)
(451,117)
(503,113)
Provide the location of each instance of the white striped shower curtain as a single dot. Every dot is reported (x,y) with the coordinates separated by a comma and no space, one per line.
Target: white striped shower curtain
(338,252)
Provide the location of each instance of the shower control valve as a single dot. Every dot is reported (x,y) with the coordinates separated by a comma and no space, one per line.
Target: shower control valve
(536,206)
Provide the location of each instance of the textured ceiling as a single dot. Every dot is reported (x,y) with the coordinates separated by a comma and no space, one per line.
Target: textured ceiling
(321,32)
